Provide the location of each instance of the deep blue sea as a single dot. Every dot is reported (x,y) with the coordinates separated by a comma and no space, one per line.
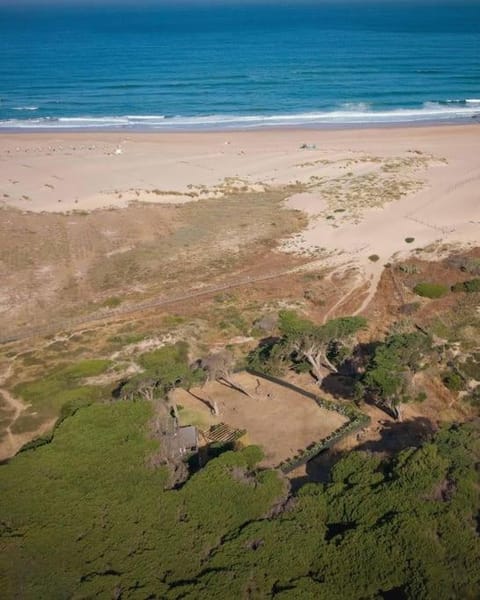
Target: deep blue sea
(180,67)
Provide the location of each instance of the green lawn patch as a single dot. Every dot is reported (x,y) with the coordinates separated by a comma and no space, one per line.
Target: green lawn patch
(431,290)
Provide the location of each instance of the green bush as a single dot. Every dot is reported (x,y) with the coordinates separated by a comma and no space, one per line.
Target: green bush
(470,286)
(453,381)
(430,290)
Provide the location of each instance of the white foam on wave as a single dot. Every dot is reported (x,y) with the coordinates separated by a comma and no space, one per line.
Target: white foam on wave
(356,106)
(350,114)
(25,108)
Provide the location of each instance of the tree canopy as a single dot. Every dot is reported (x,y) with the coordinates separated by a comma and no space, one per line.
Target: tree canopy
(303,340)
(86,516)
(394,363)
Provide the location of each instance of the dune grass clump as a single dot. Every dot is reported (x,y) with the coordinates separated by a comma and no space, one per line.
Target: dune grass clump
(112,302)
(430,290)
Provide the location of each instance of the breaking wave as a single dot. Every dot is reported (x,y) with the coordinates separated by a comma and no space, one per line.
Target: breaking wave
(346,114)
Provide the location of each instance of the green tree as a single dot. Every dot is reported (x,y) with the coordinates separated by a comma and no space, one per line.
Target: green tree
(165,369)
(315,344)
(390,374)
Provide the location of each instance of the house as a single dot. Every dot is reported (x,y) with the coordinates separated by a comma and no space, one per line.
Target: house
(185,440)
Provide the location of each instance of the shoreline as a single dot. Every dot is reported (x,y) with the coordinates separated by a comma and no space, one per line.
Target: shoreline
(134,130)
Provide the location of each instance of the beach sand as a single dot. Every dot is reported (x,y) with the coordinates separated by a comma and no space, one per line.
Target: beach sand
(365,191)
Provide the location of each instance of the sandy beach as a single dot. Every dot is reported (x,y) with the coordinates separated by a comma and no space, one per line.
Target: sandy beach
(62,172)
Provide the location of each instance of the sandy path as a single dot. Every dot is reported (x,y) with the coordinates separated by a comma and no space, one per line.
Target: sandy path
(13,442)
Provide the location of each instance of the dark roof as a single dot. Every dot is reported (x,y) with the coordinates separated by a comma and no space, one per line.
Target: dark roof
(187,437)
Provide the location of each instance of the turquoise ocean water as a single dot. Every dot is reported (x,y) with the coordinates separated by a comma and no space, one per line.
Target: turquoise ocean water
(175,67)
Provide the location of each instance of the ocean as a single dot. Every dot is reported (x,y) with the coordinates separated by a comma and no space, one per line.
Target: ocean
(219,67)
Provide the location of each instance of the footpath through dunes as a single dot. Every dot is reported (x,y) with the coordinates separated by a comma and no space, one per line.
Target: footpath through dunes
(425,197)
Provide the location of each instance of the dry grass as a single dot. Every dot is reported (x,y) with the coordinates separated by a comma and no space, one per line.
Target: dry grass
(58,266)
(371,182)
(280,420)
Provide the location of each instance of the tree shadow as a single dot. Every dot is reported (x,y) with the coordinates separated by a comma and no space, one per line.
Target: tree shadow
(318,469)
(269,341)
(398,435)
(395,437)
(339,385)
(231,385)
(207,403)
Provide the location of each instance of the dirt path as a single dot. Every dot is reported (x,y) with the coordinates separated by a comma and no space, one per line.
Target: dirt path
(357,284)
(11,443)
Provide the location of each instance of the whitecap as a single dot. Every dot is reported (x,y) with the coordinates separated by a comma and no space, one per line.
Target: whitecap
(25,108)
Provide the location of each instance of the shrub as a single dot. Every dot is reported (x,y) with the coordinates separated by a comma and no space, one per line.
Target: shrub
(374,257)
(409,240)
(112,302)
(421,397)
(430,290)
(453,381)
(471,367)
(470,286)
(410,308)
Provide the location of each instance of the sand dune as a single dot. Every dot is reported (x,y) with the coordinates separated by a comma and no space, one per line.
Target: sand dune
(366,190)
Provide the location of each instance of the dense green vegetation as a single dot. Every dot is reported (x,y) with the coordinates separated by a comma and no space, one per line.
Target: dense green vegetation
(390,371)
(430,290)
(162,370)
(90,512)
(382,372)
(86,516)
(62,387)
